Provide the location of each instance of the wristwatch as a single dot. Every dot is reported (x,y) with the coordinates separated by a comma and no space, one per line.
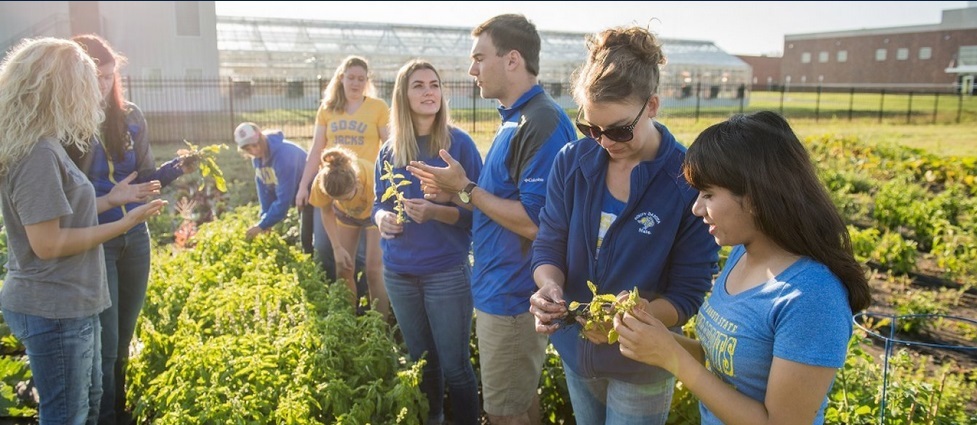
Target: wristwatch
(466,194)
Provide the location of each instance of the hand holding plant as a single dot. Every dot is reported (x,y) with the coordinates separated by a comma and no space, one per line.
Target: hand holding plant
(204,159)
(549,308)
(393,191)
(596,316)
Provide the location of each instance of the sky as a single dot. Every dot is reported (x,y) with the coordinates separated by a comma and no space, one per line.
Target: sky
(738,27)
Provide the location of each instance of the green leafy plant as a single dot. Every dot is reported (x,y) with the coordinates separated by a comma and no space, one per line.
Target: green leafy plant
(393,191)
(601,310)
(204,159)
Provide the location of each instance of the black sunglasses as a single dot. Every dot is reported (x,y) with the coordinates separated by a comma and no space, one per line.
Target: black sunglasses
(620,134)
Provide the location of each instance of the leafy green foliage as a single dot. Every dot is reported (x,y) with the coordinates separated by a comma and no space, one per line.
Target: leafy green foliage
(254,335)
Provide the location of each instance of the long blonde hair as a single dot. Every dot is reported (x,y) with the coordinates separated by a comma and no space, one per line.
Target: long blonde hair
(48,88)
(402,129)
(335,99)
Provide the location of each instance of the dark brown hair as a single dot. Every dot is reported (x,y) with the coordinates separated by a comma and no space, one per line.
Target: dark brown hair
(513,32)
(759,158)
(115,134)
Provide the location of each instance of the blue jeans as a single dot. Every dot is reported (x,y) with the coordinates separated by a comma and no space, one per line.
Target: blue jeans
(127,270)
(64,357)
(434,312)
(614,402)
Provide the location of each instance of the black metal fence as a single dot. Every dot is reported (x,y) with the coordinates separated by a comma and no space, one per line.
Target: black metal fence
(205,111)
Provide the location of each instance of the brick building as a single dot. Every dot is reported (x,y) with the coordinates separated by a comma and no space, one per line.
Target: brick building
(935,57)
(766,71)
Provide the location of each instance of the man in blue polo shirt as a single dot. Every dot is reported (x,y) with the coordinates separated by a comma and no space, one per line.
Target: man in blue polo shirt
(506,200)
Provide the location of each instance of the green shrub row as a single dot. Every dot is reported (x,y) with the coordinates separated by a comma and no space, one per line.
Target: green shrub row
(250,332)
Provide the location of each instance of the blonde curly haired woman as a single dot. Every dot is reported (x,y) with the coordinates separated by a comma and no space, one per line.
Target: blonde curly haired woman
(55,286)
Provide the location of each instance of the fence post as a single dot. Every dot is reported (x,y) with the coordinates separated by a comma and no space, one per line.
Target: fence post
(698,91)
(851,103)
(230,101)
(959,105)
(782,87)
(475,95)
(817,105)
(742,90)
(881,105)
(936,104)
(909,109)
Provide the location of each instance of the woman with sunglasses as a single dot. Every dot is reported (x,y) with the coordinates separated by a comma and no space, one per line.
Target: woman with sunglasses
(618,214)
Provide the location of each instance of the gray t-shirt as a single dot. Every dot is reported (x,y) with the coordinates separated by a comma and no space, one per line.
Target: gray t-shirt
(46,185)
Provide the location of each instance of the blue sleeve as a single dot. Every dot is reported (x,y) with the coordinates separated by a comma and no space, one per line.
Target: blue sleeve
(694,261)
(166,173)
(813,308)
(533,181)
(287,184)
(467,154)
(550,246)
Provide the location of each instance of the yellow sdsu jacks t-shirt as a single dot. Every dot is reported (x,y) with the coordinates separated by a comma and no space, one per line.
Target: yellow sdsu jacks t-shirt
(361,205)
(358,132)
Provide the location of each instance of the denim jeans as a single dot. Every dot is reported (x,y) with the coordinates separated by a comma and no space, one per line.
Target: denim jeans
(127,270)
(64,357)
(614,402)
(434,312)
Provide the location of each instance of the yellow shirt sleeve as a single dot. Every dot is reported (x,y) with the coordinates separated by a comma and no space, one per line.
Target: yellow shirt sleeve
(317,197)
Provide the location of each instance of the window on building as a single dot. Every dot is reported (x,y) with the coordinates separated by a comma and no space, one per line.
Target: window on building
(842,56)
(902,53)
(806,57)
(880,54)
(823,57)
(967,56)
(925,53)
(187,18)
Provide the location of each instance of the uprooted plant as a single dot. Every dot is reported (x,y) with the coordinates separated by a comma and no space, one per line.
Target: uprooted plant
(600,310)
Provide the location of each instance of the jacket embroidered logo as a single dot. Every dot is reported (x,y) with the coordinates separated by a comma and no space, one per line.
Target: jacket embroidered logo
(646,220)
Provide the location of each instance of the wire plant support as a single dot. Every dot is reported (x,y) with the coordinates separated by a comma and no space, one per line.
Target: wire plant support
(892,340)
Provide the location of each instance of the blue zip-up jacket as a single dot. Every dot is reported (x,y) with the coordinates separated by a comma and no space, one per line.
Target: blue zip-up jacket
(433,246)
(105,174)
(277,178)
(656,244)
(534,128)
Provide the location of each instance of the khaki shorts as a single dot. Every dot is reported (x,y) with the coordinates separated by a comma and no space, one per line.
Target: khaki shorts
(511,354)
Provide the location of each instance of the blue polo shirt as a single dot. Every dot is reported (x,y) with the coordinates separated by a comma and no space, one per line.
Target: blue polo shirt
(516,167)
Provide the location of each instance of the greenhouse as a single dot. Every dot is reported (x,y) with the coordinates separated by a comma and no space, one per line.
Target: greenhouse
(254,49)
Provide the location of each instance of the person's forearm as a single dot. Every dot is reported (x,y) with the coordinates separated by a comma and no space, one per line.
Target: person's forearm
(103,204)
(510,214)
(446,214)
(548,274)
(60,242)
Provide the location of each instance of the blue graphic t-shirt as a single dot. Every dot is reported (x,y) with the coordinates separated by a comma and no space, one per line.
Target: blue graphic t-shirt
(801,315)
(610,208)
